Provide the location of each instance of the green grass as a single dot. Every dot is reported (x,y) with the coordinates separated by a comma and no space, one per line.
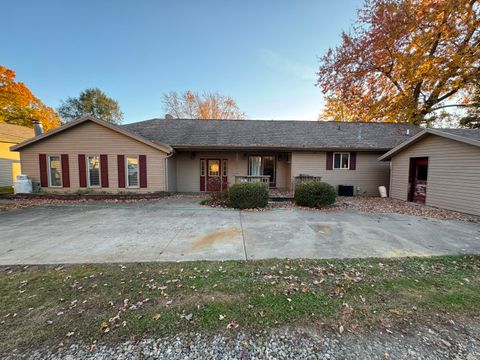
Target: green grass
(6,190)
(256,294)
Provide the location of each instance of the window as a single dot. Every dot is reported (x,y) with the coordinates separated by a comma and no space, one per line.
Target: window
(224,167)
(213,168)
(202,167)
(341,161)
(93,166)
(54,171)
(132,171)
(254,165)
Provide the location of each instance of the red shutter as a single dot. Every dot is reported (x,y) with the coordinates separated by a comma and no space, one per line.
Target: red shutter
(104,170)
(82,170)
(142,164)
(65,171)
(202,176)
(42,158)
(353,160)
(121,170)
(224,178)
(329,160)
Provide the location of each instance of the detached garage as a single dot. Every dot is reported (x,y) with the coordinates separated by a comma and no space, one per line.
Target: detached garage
(438,167)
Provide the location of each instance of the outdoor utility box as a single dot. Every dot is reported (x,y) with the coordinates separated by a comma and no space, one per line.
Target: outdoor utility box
(345,190)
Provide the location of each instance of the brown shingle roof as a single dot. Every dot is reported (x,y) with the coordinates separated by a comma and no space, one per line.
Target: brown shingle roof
(274,134)
(14,134)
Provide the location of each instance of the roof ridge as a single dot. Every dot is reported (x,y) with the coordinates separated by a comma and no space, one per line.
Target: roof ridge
(273,120)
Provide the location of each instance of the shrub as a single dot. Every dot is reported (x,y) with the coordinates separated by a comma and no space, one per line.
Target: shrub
(248,195)
(314,194)
(216,198)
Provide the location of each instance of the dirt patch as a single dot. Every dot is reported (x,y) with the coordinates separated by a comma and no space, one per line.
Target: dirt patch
(323,229)
(216,236)
(403,253)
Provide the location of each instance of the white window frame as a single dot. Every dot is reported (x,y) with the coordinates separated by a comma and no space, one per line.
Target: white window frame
(50,173)
(127,185)
(99,171)
(341,154)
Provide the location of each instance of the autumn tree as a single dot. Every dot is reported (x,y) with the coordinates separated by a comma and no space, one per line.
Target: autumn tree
(92,101)
(19,106)
(472,118)
(404,60)
(190,105)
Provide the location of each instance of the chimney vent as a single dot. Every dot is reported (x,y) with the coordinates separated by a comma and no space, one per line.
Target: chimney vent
(37,127)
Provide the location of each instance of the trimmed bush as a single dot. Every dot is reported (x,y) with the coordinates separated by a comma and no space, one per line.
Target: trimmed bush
(248,195)
(314,194)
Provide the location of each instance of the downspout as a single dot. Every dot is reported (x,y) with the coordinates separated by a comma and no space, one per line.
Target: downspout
(166,169)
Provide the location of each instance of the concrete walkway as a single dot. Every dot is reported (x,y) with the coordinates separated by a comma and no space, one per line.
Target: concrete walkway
(172,230)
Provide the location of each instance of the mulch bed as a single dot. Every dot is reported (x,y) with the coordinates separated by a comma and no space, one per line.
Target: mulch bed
(389,205)
(374,205)
(21,201)
(98,197)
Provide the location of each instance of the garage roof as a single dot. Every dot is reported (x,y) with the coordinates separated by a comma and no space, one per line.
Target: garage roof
(468,136)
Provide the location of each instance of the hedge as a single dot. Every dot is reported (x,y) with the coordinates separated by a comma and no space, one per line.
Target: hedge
(248,195)
(314,194)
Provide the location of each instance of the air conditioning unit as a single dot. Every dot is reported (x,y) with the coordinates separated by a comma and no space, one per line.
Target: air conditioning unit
(345,190)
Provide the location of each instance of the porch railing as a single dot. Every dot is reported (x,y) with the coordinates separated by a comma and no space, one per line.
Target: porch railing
(252,179)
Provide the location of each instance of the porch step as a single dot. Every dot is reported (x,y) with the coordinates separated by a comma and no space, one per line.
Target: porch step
(280,198)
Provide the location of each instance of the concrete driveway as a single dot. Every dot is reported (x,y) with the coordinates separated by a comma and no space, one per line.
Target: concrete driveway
(172,230)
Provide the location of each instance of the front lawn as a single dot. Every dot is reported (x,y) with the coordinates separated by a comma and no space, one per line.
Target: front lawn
(52,305)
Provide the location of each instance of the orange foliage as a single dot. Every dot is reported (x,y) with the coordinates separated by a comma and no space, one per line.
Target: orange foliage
(19,106)
(404,60)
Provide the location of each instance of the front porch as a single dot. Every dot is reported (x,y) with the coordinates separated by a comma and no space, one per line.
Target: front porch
(217,170)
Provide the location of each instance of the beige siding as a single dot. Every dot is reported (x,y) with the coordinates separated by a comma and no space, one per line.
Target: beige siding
(92,139)
(369,174)
(453,173)
(6,175)
(282,169)
(9,164)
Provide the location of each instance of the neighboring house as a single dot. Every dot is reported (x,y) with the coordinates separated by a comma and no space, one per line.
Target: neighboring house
(209,155)
(10,160)
(438,167)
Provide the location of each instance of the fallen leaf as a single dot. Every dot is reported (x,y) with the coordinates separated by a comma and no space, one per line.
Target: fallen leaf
(221,317)
(71,333)
(156,317)
(232,325)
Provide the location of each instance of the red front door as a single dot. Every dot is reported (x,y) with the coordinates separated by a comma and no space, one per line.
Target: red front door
(418,179)
(213,175)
